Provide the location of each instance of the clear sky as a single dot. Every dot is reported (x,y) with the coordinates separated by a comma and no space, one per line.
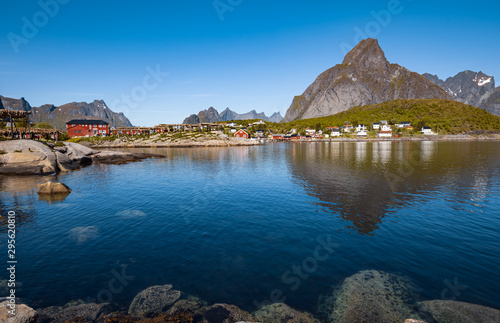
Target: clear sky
(160,61)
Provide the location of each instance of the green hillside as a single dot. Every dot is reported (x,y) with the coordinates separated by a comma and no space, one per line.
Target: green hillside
(450,117)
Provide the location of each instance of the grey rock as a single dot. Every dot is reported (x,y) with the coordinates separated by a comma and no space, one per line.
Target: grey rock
(365,77)
(27,157)
(88,312)
(371,296)
(282,313)
(492,104)
(65,163)
(459,312)
(155,299)
(223,313)
(24,314)
(191,304)
(468,87)
(53,188)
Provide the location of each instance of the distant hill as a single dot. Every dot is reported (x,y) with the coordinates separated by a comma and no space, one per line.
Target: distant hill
(212,115)
(449,116)
(474,88)
(57,116)
(364,77)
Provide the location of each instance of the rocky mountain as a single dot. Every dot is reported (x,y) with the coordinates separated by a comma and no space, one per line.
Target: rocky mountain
(212,115)
(364,77)
(474,88)
(58,116)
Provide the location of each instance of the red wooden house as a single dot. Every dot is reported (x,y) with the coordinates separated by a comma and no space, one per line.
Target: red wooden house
(87,128)
(241,134)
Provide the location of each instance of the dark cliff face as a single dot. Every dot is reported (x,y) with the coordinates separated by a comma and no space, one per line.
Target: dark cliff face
(364,77)
(58,116)
(492,104)
(474,88)
(212,115)
(15,104)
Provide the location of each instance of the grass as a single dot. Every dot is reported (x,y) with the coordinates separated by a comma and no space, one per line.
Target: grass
(449,117)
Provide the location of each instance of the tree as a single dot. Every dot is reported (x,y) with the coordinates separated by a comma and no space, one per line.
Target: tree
(43,125)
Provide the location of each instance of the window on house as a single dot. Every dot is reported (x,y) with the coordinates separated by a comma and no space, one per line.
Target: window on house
(75,131)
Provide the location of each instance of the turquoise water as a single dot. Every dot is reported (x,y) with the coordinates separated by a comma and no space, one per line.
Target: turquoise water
(246,225)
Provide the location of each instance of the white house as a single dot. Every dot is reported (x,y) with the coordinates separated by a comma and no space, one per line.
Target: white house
(232,124)
(360,127)
(232,130)
(376,126)
(335,132)
(310,132)
(385,134)
(383,122)
(386,127)
(347,128)
(427,131)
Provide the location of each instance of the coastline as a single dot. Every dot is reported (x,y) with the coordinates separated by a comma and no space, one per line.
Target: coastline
(232,142)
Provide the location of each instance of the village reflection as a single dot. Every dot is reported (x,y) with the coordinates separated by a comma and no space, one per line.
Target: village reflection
(365,182)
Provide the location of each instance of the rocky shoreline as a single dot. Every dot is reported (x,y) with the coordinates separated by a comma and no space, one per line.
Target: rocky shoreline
(367,296)
(30,157)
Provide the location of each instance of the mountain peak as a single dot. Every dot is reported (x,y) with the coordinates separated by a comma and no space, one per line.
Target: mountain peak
(367,53)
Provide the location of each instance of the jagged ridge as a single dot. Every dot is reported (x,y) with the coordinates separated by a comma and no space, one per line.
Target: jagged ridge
(58,116)
(364,77)
(212,115)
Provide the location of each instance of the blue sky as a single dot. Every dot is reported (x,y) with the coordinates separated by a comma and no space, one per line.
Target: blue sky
(245,55)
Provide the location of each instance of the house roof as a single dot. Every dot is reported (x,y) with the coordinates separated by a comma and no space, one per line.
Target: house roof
(82,121)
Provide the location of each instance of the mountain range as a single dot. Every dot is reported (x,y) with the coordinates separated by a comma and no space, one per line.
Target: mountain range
(212,115)
(364,77)
(57,116)
(474,88)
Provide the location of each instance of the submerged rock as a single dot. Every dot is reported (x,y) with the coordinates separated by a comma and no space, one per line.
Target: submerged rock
(282,313)
(155,299)
(86,312)
(24,314)
(371,296)
(52,188)
(223,313)
(459,312)
(84,234)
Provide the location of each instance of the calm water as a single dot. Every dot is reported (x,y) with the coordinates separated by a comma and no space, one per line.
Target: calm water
(231,224)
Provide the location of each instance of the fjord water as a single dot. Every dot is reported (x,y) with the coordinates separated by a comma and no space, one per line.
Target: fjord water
(233,225)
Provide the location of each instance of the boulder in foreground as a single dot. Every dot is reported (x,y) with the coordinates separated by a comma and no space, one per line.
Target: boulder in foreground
(53,188)
(155,299)
(282,313)
(24,314)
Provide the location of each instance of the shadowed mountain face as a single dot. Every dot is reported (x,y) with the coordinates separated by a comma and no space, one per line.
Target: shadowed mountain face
(364,183)
(212,115)
(477,89)
(58,116)
(364,77)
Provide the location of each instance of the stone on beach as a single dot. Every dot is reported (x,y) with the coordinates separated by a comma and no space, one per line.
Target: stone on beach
(155,299)
(26,157)
(24,314)
(223,313)
(282,313)
(86,312)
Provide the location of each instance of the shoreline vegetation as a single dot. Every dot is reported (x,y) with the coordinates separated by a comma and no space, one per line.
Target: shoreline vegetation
(362,297)
(154,141)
